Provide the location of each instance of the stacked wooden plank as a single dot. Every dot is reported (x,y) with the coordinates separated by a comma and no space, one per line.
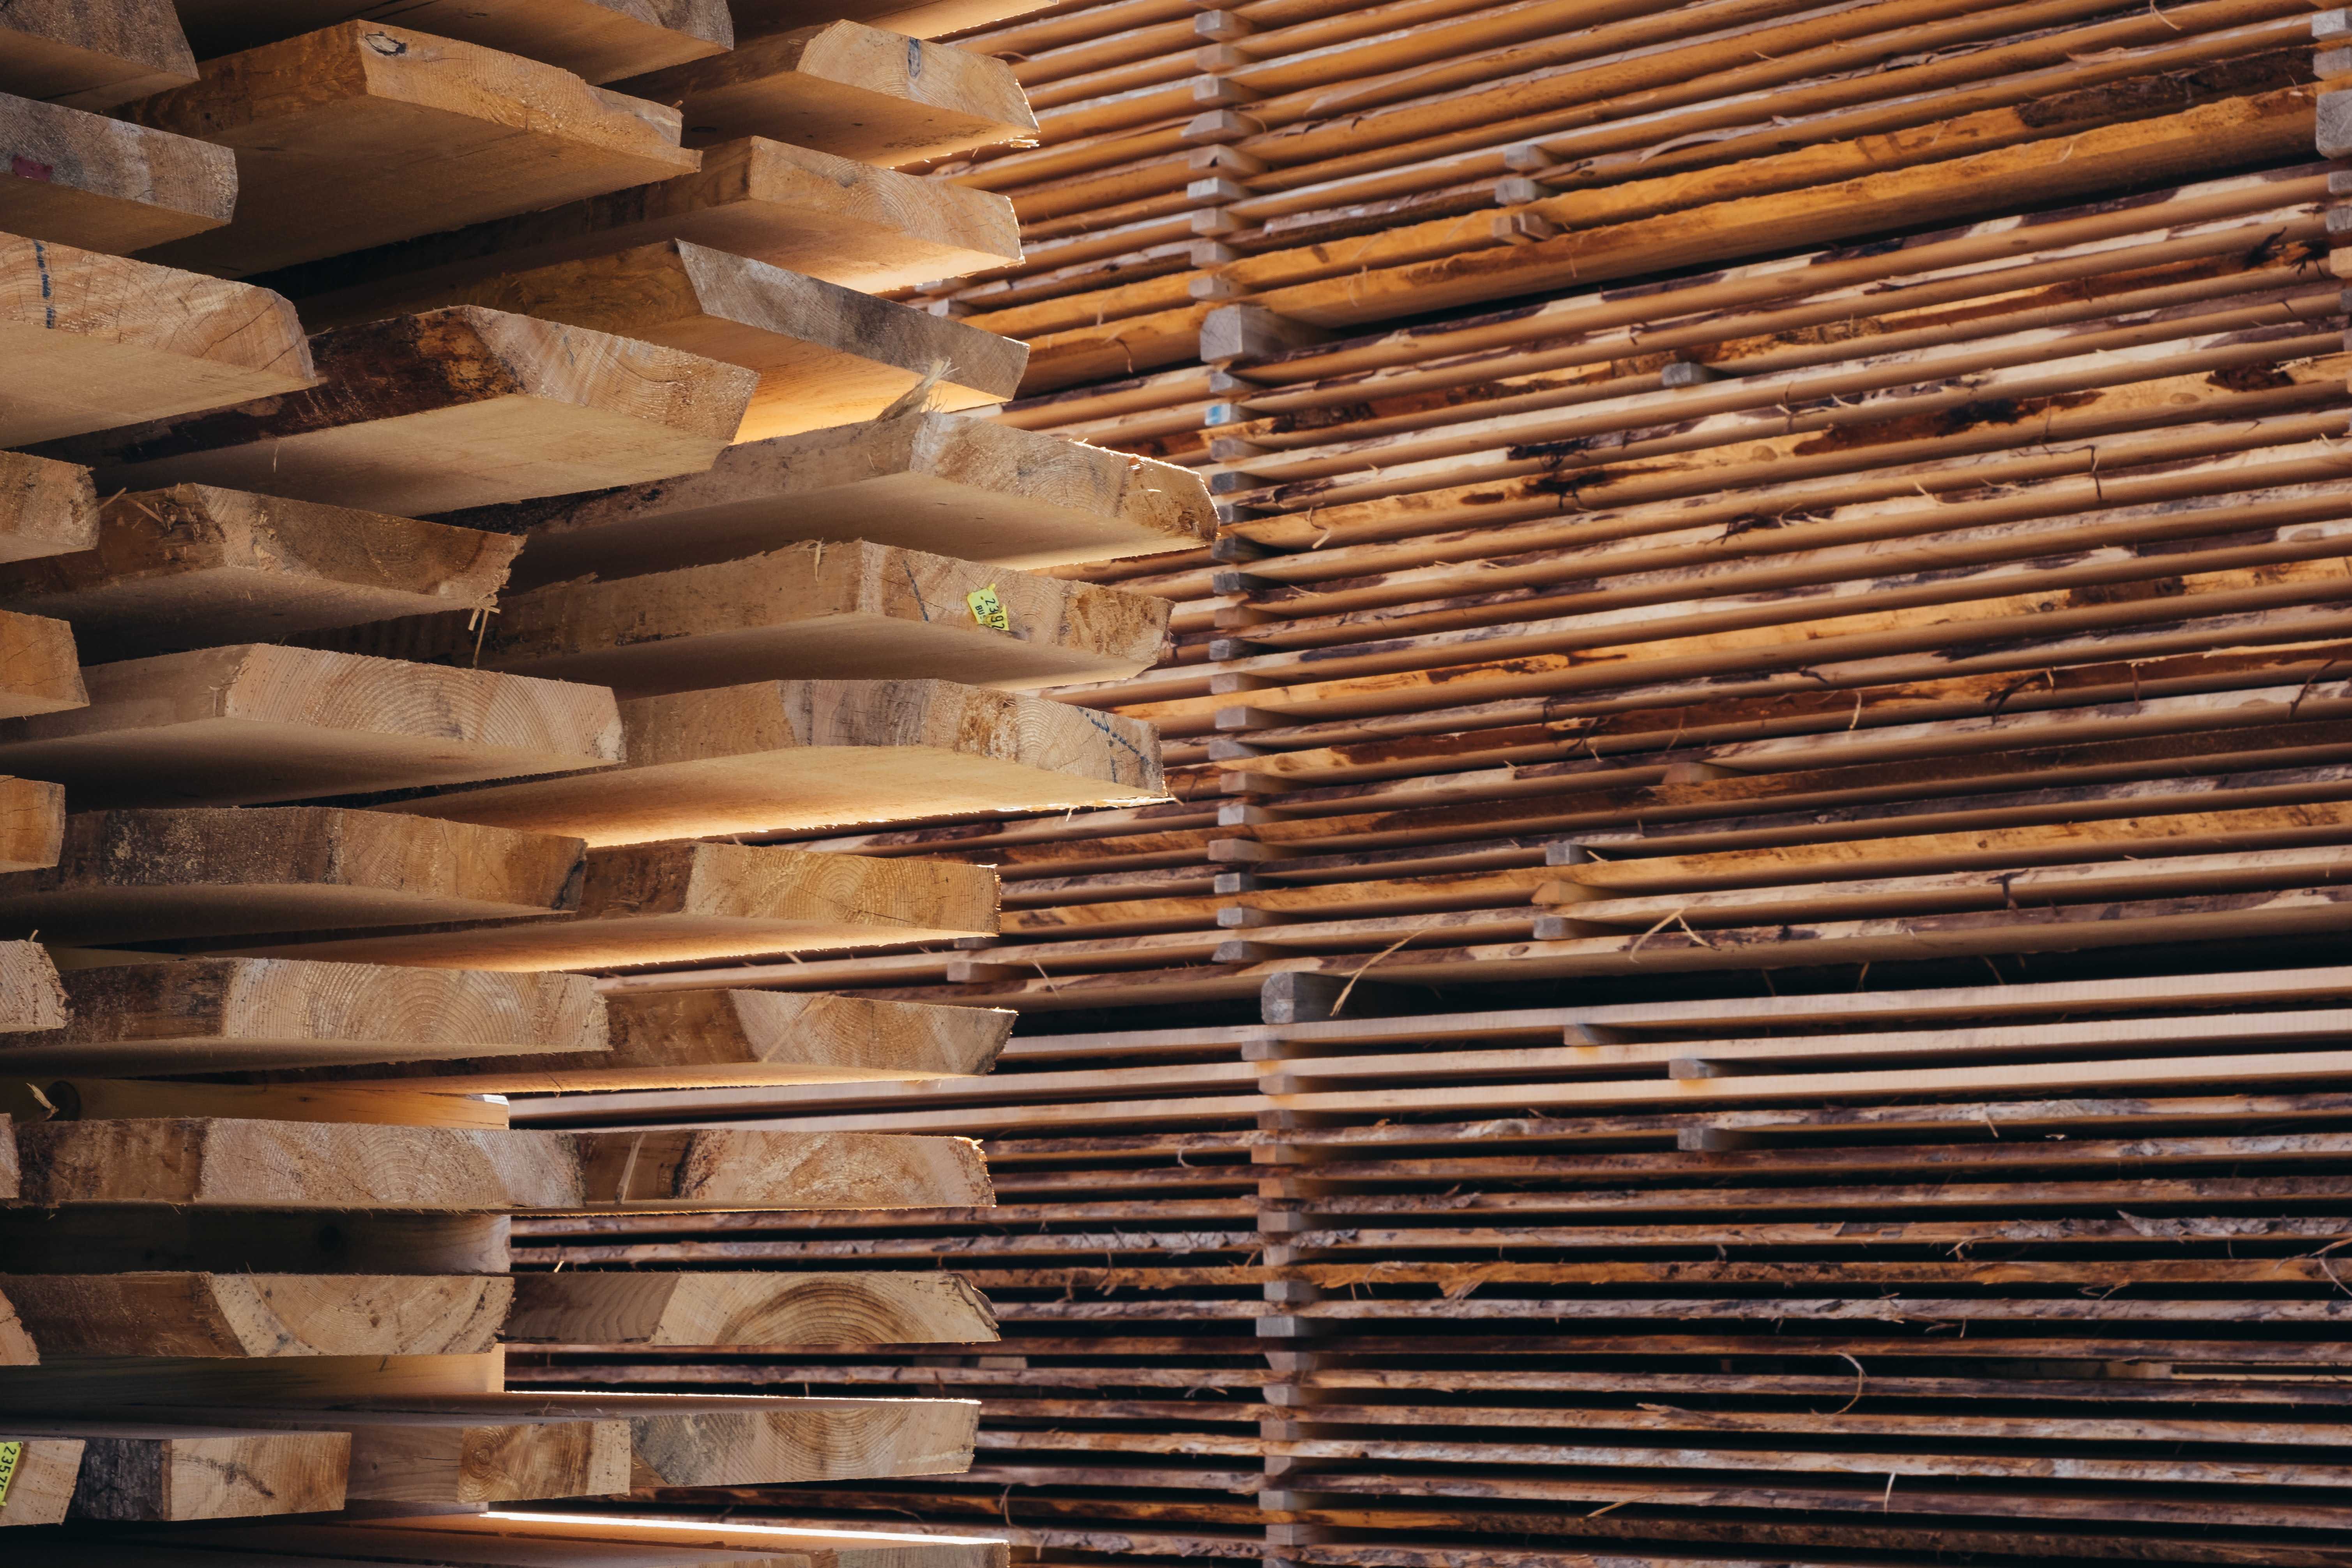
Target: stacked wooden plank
(305,842)
(1677,1029)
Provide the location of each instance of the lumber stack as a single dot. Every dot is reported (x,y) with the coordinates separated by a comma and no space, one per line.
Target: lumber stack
(1745,965)
(320,817)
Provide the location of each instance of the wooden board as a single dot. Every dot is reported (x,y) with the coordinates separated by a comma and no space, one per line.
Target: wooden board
(594,39)
(127,875)
(42,1488)
(811,610)
(218,1015)
(319,1165)
(801,756)
(662,903)
(38,673)
(824,355)
(46,508)
(846,89)
(455,1461)
(136,1473)
(718,1440)
(85,179)
(825,1548)
(711,1038)
(795,207)
(967,488)
(741,1311)
(238,1315)
(196,566)
(255,722)
(113,1098)
(451,408)
(475,134)
(88,341)
(93,56)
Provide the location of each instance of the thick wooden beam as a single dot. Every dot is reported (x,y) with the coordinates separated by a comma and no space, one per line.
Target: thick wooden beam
(846,89)
(38,673)
(594,39)
(811,610)
(41,1489)
(46,508)
(85,179)
(664,903)
(31,997)
(795,207)
(256,722)
(195,566)
(824,355)
(451,408)
(683,1039)
(32,823)
(89,342)
(137,1473)
(109,1383)
(220,1015)
(474,133)
(322,1166)
(129,876)
(741,1310)
(92,56)
(235,1315)
(17,1346)
(802,756)
(967,488)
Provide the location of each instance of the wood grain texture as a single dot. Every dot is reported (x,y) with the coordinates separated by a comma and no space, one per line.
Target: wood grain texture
(255,722)
(332,1165)
(215,1014)
(810,610)
(967,488)
(451,408)
(89,342)
(672,902)
(710,1039)
(847,88)
(795,207)
(109,1383)
(473,134)
(801,755)
(139,875)
(741,1311)
(85,179)
(112,1098)
(133,1472)
(93,56)
(238,1315)
(196,566)
(17,1346)
(594,39)
(42,1488)
(824,355)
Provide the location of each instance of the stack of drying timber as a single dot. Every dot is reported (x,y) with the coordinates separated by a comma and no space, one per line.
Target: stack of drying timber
(1640,432)
(325,791)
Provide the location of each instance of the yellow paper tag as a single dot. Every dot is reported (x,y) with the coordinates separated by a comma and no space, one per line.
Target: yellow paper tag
(988,609)
(9,1454)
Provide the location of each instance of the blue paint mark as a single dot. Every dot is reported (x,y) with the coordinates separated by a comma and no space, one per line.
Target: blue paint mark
(918,587)
(48,300)
(1099,723)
